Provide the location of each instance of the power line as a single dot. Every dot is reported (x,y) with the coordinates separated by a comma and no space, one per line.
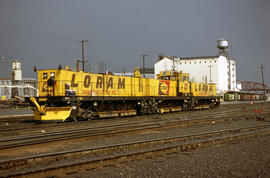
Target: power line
(55,37)
(34,33)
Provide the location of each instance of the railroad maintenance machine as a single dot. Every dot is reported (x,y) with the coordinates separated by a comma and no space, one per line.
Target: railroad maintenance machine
(73,95)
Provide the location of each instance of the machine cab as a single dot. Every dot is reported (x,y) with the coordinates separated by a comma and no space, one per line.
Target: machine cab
(184,84)
(167,75)
(182,79)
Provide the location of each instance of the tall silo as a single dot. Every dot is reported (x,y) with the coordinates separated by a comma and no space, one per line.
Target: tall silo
(16,78)
(223,46)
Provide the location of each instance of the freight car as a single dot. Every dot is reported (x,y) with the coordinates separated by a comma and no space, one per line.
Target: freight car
(243,96)
(67,95)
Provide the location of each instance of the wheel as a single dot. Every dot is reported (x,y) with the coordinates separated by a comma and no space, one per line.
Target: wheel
(185,107)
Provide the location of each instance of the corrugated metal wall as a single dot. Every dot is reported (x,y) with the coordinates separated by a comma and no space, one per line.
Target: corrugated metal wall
(4,89)
(24,88)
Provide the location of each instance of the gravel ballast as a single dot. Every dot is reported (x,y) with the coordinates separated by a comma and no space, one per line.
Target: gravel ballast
(237,158)
(247,158)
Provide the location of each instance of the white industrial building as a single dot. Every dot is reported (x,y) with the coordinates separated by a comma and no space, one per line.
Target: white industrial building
(17,86)
(219,69)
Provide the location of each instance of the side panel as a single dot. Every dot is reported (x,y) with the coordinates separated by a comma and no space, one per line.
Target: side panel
(69,83)
(184,87)
(163,87)
(202,89)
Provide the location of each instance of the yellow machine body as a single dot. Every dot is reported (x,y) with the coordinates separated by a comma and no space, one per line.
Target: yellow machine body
(203,89)
(68,83)
(90,84)
(43,113)
(57,114)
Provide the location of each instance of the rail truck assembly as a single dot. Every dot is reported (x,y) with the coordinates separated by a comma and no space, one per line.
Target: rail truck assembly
(70,95)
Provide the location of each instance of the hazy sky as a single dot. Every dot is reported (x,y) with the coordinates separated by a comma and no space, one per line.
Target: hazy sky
(46,32)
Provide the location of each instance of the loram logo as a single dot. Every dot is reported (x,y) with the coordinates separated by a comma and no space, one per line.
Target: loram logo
(164,87)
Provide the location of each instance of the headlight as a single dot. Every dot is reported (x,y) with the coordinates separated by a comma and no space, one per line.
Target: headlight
(52,74)
(44,75)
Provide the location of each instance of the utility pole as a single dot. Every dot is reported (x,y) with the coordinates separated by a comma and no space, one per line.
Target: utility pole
(144,64)
(262,78)
(124,70)
(83,62)
(210,67)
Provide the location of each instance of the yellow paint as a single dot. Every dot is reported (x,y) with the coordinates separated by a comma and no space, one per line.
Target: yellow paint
(43,113)
(203,89)
(53,114)
(42,99)
(69,82)
(137,72)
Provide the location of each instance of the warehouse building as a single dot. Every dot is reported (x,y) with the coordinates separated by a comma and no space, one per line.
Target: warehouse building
(17,86)
(220,69)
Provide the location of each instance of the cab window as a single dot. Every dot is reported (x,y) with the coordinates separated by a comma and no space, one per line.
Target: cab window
(165,78)
(45,75)
(184,78)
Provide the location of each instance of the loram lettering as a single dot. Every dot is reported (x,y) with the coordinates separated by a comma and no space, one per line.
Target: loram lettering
(99,82)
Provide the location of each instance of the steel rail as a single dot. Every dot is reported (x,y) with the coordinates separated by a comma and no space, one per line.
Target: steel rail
(99,131)
(116,126)
(15,127)
(170,144)
(22,128)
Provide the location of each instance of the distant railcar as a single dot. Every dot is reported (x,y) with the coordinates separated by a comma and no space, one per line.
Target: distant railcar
(242,96)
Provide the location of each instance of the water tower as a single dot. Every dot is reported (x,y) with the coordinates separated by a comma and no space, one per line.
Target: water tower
(16,77)
(16,71)
(223,45)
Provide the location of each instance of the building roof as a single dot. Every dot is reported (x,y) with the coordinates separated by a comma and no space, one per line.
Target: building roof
(191,58)
(28,79)
(23,79)
(199,57)
(5,78)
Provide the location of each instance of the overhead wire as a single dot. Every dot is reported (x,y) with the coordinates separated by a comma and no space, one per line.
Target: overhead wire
(34,33)
(54,37)
(14,27)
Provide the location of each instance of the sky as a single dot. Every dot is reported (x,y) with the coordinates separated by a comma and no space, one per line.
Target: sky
(46,33)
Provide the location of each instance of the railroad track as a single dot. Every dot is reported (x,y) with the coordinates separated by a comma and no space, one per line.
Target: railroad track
(80,160)
(15,118)
(115,129)
(17,129)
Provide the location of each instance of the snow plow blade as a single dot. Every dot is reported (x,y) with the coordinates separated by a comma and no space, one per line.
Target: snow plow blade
(52,114)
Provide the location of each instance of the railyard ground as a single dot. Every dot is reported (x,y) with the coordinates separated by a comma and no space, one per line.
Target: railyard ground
(248,158)
(242,158)
(238,158)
